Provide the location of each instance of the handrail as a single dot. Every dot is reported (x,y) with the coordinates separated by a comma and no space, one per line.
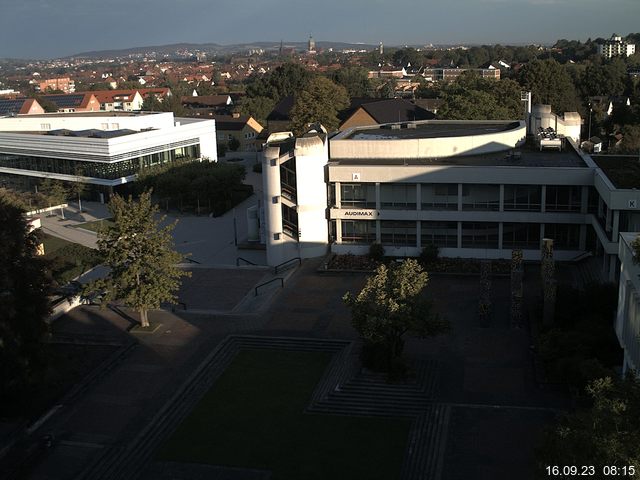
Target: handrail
(287,261)
(267,283)
(244,260)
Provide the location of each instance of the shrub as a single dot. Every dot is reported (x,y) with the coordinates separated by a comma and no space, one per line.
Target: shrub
(429,254)
(376,252)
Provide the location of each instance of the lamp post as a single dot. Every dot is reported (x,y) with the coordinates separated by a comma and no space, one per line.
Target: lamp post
(590,110)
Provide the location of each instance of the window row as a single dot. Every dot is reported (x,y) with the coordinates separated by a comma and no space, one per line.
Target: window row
(106,170)
(525,236)
(527,198)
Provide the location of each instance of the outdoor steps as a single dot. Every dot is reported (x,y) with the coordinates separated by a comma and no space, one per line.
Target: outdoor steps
(427,441)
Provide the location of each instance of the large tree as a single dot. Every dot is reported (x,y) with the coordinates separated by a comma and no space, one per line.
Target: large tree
(355,80)
(24,303)
(392,304)
(139,253)
(471,97)
(550,84)
(320,101)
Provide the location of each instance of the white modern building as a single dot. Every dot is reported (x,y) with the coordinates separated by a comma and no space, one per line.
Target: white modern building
(104,149)
(475,189)
(616,47)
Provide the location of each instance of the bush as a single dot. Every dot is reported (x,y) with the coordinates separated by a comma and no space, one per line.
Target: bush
(376,252)
(429,254)
(234,144)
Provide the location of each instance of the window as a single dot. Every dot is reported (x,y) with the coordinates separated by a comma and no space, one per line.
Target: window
(565,236)
(524,198)
(398,196)
(439,196)
(479,235)
(481,197)
(521,235)
(289,221)
(440,234)
(45,126)
(359,231)
(398,233)
(563,198)
(288,181)
(358,195)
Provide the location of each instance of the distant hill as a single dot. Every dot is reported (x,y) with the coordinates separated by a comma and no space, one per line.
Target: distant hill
(215,48)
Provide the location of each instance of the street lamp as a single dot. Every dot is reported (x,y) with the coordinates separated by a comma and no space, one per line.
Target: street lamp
(590,110)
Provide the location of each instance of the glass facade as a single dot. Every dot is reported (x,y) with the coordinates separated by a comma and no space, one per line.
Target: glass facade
(358,195)
(440,234)
(290,221)
(105,170)
(359,231)
(563,198)
(521,235)
(481,197)
(523,198)
(288,179)
(479,235)
(399,196)
(439,196)
(565,236)
(399,233)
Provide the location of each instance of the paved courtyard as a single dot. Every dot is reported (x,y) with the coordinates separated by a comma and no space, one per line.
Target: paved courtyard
(484,377)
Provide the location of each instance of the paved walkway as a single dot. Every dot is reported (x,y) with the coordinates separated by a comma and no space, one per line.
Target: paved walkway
(486,377)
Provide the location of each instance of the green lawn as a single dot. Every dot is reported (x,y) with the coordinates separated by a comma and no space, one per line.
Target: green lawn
(253,417)
(96,225)
(67,260)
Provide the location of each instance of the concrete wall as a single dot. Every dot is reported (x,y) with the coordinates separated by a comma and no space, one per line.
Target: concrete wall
(627,324)
(412,148)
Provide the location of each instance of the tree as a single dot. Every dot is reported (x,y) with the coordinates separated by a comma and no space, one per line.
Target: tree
(234,144)
(630,140)
(607,433)
(471,97)
(320,101)
(24,303)
(355,80)
(55,191)
(550,84)
(257,107)
(392,304)
(287,79)
(140,255)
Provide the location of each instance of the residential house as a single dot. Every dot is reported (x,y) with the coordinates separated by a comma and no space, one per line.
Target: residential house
(74,102)
(371,111)
(64,84)
(19,106)
(245,129)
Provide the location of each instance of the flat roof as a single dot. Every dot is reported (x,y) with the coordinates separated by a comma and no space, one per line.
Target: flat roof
(427,129)
(622,170)
(88,114)
(526,156)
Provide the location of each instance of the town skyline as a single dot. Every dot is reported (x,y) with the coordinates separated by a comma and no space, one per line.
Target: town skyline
(64,29)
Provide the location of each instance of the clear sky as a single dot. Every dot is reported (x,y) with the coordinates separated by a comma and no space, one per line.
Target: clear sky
(56,28)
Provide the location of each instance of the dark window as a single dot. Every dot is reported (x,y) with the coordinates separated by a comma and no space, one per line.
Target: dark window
(439,196)
(440,234)
(398,233)
(521,235)
(359,231)
(358,195)
(479,235)
(481,197)
(563,198)
(398,196)
(565,236)
(524,198)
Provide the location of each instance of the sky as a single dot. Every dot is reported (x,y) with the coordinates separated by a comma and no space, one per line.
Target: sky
(58,28)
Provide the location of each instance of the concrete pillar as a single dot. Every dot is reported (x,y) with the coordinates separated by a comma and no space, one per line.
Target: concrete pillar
(378,231)
(459,232)
(541,234)
(500,232)
(378,198)
(501,209)
(338,231)
(418,234)
(418,196)
(459,198)
(543,199)
(272,205)
(338,195)
(607,222)
(615,226)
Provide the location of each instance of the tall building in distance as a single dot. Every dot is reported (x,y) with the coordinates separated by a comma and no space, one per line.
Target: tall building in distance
(381,49)
(615,47)
(65,85)
(311,47)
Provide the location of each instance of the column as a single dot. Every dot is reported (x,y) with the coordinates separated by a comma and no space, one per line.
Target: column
(501,209)
(459,198)
(459,232)
(418,196)
(338,195)
(378,199)
(616,225)
(500,232)
(418,234)
(543,199)
(584,200)
(338,230)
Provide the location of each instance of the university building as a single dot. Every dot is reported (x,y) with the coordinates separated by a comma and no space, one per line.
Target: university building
(475,189)
(98,148)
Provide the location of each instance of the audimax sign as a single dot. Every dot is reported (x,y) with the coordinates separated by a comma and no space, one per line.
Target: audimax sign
(362,214)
